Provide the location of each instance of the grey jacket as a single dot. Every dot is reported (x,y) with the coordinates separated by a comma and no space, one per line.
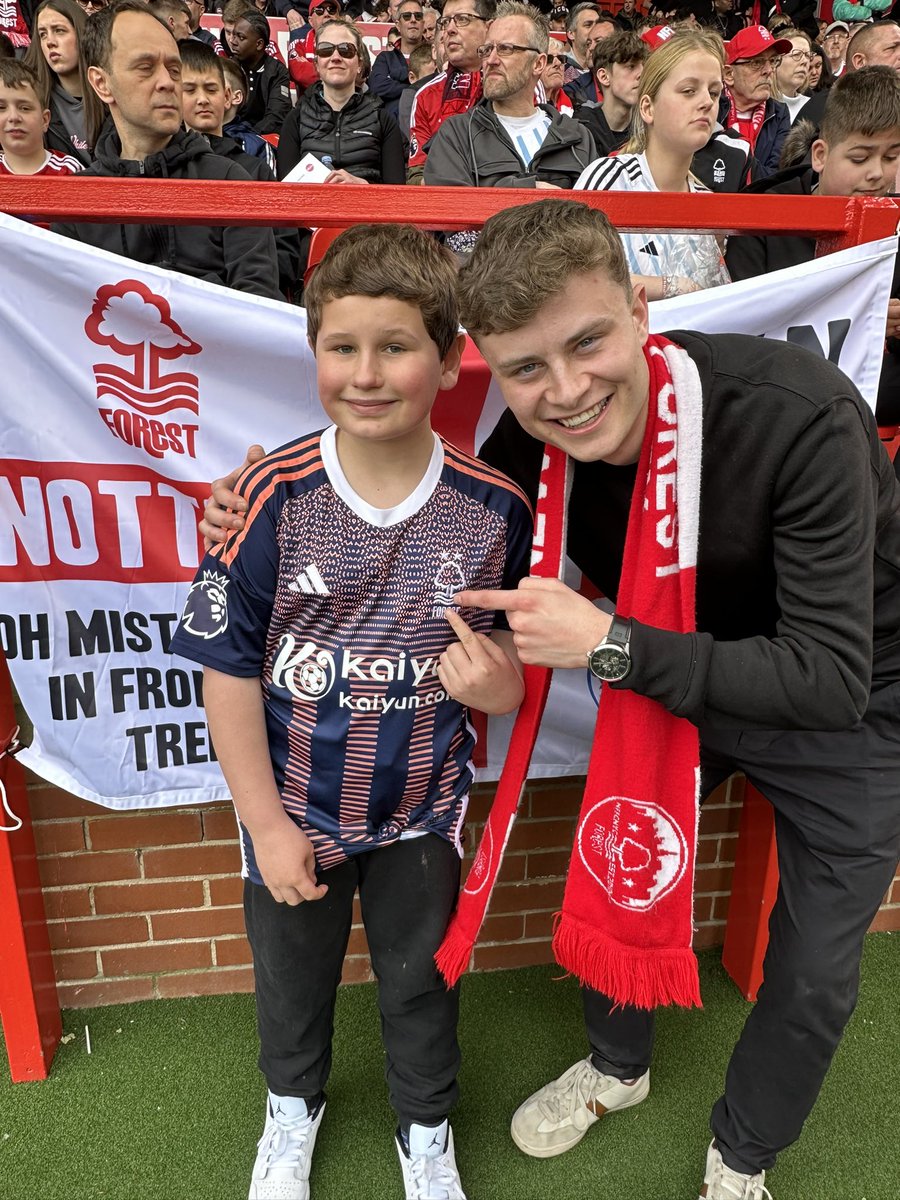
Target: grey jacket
(474,150)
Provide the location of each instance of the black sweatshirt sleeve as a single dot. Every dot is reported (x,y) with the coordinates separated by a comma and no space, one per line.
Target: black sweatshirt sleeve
(815,673)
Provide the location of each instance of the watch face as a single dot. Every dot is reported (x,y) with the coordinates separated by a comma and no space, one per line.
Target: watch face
(609,663)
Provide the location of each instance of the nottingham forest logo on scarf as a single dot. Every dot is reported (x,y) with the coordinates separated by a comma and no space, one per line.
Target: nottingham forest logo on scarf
(634,850)
(136,324)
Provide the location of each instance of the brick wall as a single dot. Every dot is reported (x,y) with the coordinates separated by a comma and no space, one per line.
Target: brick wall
(148,904)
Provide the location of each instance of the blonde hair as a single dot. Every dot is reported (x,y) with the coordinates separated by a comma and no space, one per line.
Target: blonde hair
(660,65)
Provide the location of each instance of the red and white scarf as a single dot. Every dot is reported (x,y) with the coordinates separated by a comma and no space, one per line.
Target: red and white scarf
(748,127)
(626,922)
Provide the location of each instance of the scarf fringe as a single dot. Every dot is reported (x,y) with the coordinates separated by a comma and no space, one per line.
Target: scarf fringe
(453,954)
(641,978)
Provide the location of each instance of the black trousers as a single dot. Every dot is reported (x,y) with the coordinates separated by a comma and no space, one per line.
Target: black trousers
(837,818)
(407,892)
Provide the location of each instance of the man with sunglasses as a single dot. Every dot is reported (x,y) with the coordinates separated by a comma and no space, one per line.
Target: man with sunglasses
(747,106)
(462,28)
(390,71)
(302,49)
(507,140)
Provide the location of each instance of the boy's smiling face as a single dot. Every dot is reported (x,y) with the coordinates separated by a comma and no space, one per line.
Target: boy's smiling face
(859,165)
(23,121)
(379,370)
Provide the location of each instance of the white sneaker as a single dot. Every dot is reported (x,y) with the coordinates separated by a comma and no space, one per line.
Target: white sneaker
(721,1183)
(284,1154)
(558,1116)
(429,1168)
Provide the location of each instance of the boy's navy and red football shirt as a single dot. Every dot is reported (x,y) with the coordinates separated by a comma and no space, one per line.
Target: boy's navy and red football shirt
(339,609)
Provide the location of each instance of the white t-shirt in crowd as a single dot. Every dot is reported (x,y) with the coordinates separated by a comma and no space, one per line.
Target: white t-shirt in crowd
(526,133)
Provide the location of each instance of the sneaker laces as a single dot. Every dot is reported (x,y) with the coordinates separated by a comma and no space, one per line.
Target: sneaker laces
(733,1185)
(284,1145)
(434,1177)
(571,1092)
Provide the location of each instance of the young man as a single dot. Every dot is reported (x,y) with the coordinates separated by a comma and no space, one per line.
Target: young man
(421,69)
(336,692)
(747,105)
(206,101)
(174,13)
(269,101)
(135,68)
(506,140)
(390,71)
(856,153)
(793,675)
(24,118)
(591,29)
(463,27)
(618,65)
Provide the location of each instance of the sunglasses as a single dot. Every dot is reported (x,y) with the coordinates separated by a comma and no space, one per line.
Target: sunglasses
(344,49)
(328,7)
(411,16)
(557,58)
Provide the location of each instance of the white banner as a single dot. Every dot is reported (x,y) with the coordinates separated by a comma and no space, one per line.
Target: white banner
(124,390)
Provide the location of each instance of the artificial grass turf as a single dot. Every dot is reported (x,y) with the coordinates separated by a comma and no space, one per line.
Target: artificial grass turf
(169,1104)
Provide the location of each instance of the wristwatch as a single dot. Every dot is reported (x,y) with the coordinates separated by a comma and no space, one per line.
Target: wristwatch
(611,660)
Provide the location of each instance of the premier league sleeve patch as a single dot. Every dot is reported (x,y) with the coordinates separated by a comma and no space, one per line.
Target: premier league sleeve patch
(206,611)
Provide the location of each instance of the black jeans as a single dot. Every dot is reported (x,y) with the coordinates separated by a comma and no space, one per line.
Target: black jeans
(407,892)
(837,818)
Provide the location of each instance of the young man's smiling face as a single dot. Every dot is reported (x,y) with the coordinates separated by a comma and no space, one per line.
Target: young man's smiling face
(579,381)
(379,370)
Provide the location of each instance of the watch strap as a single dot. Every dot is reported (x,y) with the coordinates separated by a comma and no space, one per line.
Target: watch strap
(619,631)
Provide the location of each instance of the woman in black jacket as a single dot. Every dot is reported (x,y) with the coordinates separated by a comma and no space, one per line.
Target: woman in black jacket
(76,112)
(336,122)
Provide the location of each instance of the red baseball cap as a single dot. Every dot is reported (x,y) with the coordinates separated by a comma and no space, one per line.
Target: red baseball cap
(753,41)
(656,36)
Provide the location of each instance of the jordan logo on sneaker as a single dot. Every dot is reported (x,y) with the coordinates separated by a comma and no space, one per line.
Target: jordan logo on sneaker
(310,582)
(436,1140)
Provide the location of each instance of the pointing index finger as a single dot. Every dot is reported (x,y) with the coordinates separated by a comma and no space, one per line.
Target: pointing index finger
(489,599)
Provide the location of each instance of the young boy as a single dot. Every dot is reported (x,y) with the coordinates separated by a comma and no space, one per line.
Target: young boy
(24,117)
(336,695)
(856,153)
(206,99)
(232,124)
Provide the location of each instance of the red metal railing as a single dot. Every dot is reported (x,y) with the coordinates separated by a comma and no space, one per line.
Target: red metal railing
(28,1003)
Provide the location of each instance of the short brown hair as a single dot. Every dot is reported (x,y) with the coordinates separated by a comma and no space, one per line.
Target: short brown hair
(865,102)
(624,47)
(15,74)
(97,42)
(200,58)
(399,261)
(515,266)
(233,10)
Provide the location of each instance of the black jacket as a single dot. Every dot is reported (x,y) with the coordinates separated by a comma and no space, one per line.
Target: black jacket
(724,164)
(798,571)
(746,257)
(269,97)
(593,118)
(287,241)
(362,137)
(390,79)
(57,137)
(774,129)
(241,257)
(474,150)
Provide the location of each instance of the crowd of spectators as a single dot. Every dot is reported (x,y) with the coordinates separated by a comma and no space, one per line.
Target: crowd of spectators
(466,93)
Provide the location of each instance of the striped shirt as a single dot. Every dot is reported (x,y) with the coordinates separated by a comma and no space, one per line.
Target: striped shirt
(696,256)
(54,164)
(339,609)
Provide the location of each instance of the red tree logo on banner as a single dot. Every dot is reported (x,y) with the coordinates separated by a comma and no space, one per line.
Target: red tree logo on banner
(137,324)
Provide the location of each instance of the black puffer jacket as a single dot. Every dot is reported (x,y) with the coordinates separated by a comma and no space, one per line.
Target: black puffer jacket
(240,257)
(362,137)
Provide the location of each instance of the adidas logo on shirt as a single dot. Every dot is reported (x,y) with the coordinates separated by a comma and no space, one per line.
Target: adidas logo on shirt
(310,582)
